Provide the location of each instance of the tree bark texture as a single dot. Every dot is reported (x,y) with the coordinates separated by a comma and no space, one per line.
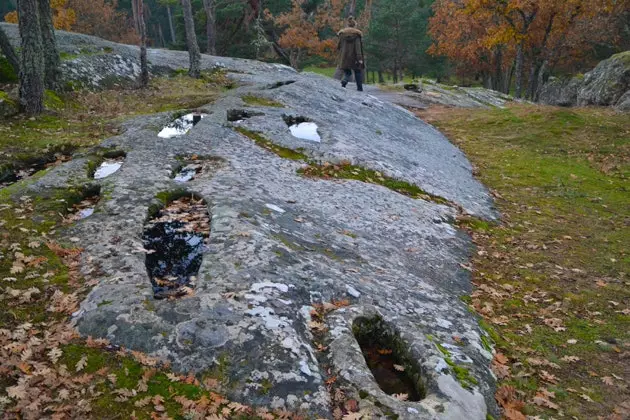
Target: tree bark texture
(191,40)
(144,66)
(52,72)
(9,52)
(32,58)
(170,24)
(520,58)
(208,5)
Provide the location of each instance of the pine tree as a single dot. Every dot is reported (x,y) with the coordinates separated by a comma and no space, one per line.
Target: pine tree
(32,68)
(52,72)
(191,40)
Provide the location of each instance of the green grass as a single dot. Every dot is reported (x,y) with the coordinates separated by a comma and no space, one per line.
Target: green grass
(562,178)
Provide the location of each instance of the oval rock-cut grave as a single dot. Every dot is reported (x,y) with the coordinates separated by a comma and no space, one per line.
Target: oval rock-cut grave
(388,357)
(174,237)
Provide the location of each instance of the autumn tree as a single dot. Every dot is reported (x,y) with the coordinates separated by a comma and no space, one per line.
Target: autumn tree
(102,18)
(32,58)
(483,35)
(191,40)
(63,16)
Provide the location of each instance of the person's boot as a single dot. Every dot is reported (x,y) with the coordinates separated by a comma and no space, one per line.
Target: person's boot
(344,84)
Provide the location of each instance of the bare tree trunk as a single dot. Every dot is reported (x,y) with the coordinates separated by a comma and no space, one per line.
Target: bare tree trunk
(208,6)
(497,79)
(32,58)
(381,79)
(520,58)
(353,8)
(135,15)
(170,24)
(161,35)
(191,40)
(9,52)
(52,72)
(508,80)
(542,79)
(144,66)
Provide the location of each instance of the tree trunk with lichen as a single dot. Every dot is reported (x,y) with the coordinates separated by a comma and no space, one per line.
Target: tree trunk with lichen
(9,52)
(208,6)
(32,58)
(52,72)
(191,41)
(144,65)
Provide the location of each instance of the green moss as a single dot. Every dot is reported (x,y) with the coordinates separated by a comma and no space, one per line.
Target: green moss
(267,144)
(266,386)
(346,170)
(260,101)
(7,73)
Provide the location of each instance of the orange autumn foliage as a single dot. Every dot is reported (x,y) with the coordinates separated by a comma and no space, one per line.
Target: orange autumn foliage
(556,33)
(63,16)
(304,33)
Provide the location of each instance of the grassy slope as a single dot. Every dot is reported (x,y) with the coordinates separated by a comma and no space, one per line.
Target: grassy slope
(552,280)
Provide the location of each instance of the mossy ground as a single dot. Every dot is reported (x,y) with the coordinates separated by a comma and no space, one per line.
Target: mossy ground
(552,278)
(84,118)
(260,101)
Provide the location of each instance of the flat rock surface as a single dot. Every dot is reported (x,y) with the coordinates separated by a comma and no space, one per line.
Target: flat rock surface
(280,243)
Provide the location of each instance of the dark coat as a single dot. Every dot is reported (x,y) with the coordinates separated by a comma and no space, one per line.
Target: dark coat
(350,51)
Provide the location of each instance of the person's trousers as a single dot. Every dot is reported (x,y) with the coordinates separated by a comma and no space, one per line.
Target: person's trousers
(358,77)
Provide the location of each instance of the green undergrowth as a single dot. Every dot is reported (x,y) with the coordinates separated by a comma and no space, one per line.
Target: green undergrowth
(552,278)
(260,101)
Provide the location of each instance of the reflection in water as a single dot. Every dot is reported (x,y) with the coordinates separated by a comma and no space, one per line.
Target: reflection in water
(187,173)
(181,125)
(107,168)
(83,213)
(174,240)
(305,131)
(176,257)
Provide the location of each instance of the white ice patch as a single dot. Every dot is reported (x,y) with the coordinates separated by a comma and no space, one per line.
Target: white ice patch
(275,208)
(305,131)
(107,168)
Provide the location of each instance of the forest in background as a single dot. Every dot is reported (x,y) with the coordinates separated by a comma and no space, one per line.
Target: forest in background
(506,45)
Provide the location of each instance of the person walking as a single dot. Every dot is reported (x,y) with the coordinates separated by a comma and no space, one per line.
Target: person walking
(351,54)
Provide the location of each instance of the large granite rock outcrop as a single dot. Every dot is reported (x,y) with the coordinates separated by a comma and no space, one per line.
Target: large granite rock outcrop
(280,243)
(608,84)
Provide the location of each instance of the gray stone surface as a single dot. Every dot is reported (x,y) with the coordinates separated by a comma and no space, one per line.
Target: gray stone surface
(607,84)
(561,92)
(433,93)
(279,243)
(623,104)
